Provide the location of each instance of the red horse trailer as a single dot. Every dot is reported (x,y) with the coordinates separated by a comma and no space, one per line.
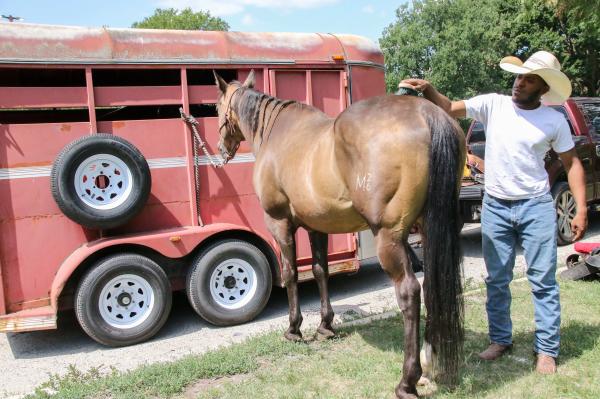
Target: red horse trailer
(107,201)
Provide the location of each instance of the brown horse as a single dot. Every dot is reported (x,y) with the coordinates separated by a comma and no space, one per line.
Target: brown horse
(385,164)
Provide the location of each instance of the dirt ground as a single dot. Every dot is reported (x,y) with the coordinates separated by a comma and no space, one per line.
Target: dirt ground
(28,358)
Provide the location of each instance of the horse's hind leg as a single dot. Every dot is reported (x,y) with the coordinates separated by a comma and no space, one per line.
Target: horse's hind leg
(283,232)
(320,268)
(393,256)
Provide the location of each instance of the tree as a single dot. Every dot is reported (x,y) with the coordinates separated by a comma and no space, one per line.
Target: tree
(170,18)
(579,25)
(457,44)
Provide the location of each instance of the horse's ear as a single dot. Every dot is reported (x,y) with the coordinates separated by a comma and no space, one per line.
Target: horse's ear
(221,84)
(250,80)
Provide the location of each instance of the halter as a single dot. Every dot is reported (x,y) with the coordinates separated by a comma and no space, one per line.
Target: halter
(227,122)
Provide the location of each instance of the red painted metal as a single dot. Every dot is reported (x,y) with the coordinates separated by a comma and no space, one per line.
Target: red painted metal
(91,100)
(40,248)
(42,97)
(365,82)
(69,44)
(153,95)
(2,303)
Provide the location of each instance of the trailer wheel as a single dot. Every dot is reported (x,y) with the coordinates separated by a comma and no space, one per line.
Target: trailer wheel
(564,204)
(124,299)
(100,181)
(229,283)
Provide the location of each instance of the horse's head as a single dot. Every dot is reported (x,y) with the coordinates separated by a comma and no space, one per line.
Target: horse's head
(230,133)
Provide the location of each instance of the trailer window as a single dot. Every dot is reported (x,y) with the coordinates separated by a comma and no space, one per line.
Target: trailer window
(47,115)
(41,77)
(203,110)
(136,77)
(137,112)
(205,77)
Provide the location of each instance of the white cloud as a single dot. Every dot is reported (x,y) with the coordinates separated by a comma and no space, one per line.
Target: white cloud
(247,20)
(229,7)
(368,9)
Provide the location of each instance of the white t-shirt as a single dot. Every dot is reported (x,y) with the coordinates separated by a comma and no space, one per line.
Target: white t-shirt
(516,142)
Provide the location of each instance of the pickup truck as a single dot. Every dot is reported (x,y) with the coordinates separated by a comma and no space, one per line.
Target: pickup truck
(583,115)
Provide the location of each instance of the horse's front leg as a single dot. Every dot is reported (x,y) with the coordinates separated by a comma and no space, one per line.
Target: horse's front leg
(393,256)
(320,268)
(283,231)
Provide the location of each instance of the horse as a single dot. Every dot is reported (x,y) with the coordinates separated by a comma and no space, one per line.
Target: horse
(387,164)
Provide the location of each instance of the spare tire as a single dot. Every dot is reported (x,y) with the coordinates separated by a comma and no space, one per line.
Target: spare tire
(100,181)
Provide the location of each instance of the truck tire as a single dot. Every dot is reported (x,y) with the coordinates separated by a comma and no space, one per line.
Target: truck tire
(564,204)
(123,299)
(100,181)
(229,282)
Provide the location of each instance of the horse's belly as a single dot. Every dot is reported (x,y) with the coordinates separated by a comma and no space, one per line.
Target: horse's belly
(331,218)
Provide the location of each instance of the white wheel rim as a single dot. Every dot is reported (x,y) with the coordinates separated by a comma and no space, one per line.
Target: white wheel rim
(565,209)
(233,283)
(126,301)
(103,181)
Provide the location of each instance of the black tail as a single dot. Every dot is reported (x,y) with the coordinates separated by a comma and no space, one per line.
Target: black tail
(441,247)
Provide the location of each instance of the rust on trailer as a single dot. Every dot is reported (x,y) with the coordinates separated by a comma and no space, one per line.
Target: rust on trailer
(28,43)
(305,273)
(59,84)
(43,318)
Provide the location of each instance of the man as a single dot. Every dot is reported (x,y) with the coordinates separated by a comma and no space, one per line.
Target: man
(517,206)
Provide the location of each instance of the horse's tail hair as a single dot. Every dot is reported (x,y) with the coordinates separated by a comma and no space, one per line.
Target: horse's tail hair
(442,283)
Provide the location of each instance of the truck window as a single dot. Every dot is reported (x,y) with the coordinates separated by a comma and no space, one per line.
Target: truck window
(476,143)
(477,133)
(591,111)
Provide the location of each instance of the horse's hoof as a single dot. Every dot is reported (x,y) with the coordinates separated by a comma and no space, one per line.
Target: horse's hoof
(404,394)
(423,381)
(325,333)
(294,337)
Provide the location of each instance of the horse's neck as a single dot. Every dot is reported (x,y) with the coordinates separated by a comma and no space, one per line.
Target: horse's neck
(258,113)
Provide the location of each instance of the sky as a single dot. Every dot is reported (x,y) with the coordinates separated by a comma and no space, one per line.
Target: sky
(361,17)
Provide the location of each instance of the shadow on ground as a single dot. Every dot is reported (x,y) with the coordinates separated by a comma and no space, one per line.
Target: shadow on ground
(477,377)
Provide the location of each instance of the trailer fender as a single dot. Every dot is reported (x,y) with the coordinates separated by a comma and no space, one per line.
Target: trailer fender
(172,243)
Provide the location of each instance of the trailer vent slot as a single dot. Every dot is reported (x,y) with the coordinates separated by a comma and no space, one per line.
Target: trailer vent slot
(136,77)
(41,77)
(205,77)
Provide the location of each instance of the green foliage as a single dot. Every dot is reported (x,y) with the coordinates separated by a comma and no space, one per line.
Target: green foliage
(457,44)
(186,19)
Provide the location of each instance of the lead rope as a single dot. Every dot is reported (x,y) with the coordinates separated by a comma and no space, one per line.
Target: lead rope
(193,123)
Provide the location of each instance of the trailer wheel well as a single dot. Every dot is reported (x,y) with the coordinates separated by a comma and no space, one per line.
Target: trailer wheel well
(172,266)
(65,300)
(252,239)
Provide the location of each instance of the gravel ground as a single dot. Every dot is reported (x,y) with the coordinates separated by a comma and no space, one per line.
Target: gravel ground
(30,357)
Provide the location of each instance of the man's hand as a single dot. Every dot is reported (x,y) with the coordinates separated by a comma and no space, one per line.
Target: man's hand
(418,84)
(455,109)
(576,178)
(579,224)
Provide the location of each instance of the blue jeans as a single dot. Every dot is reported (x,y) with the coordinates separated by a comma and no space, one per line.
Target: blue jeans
(530,223)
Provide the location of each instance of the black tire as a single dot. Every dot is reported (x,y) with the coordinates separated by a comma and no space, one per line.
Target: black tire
(237,295)
(108,201)
(578,272)
(565,207)
(111,319)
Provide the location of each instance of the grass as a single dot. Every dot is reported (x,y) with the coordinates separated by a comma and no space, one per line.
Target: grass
(365,362)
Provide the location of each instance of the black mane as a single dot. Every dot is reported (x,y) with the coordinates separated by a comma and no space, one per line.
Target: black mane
(249,107)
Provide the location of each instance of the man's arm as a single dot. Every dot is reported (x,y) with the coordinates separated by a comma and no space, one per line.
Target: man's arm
(576,177)
(456,109)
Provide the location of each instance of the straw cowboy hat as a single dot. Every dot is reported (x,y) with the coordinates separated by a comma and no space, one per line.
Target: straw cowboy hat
(546,66)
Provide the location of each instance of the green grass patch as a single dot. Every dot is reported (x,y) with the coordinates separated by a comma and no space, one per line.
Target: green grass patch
(366,362)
